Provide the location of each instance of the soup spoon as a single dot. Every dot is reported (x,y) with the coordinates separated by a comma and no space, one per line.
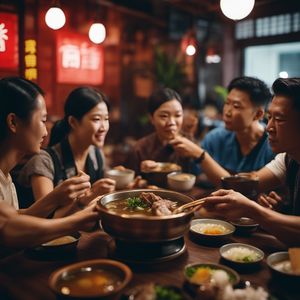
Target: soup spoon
(194,203)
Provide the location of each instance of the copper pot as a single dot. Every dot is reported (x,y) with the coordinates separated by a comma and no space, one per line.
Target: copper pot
(145,228)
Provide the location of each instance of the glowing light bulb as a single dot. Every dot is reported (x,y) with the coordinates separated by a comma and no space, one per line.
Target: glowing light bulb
(190,50)
(55,18)
(97,33)
(236,9)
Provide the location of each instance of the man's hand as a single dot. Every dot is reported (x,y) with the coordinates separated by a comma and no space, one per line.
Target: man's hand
(272,200)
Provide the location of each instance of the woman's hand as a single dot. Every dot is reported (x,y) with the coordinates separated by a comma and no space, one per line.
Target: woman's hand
(103,186)
(148,165)
(272,200)
(137,183)
(186,148)
(71,189)
(89,216)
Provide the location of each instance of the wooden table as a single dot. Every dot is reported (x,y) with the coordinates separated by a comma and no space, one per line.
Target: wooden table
(24,278)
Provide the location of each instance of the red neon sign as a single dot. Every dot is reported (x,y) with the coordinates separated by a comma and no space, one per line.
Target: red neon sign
(9,39)
(78,60)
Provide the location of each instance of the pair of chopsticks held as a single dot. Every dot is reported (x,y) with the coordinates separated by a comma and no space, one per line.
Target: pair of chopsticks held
(195,204)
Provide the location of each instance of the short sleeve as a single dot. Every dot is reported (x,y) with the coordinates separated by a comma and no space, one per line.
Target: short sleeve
(40,164)
(277,166)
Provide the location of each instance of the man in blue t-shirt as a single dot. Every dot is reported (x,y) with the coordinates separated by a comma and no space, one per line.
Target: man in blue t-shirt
(242,146)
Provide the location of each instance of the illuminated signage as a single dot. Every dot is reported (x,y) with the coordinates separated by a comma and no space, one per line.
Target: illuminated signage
(9,39)
(30,60)
(78,60)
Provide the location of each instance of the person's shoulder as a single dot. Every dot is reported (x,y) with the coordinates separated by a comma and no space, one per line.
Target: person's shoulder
(146,140)
(219,133)
(43,155)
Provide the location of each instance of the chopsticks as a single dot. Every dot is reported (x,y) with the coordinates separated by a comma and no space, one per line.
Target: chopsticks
(188,205)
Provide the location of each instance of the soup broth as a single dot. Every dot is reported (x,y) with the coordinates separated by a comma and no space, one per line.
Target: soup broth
(89,283)
(181,177)
(143,206)
(122,207)
(283,266)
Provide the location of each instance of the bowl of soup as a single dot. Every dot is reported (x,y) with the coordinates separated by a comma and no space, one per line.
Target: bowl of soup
(211,231)
(122,177)
(92,279)
(181,182)
(144,215)
(281,267)
(158,175)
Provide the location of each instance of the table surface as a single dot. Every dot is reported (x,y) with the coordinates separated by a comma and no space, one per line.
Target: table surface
(26,278)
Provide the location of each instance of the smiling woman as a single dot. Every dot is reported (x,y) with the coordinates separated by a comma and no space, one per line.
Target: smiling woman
(75,148)
(22,129)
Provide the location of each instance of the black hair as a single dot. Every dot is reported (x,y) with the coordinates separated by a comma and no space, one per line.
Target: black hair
(18,96)
(289,87)
(79,102)
(257,90)
(161,96)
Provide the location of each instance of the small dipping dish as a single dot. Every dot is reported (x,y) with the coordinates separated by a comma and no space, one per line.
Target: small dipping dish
(241,256)
(244,226)
(211,231)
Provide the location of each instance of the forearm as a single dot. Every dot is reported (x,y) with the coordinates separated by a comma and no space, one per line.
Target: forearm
(285,227)
(41,208)
(22,231)
(213,170)
(267,180)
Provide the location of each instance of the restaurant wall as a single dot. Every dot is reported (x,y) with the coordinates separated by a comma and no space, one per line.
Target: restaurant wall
(78,21)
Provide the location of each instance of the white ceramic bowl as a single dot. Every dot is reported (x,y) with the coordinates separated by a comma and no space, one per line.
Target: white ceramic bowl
(122,177)
(279,263)
(181,182)
(211,231)
(238,254)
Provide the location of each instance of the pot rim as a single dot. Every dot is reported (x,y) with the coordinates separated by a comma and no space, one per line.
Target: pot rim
(103,209)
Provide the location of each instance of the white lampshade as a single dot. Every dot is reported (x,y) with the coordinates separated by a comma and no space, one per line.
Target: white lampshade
(97,33)
(55,18)
(236,9)
(190,50)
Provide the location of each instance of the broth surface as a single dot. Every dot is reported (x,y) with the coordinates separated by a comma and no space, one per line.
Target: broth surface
(89,283)
(136,206)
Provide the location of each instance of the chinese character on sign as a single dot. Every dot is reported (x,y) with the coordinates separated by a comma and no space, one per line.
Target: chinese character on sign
(9,41)
(30,59)
(3,37)
(70,56)
(31,74)
(90,58)
(78,60)
(30,46)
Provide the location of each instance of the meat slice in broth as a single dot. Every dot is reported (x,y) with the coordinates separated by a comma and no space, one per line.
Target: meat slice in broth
(160,206)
